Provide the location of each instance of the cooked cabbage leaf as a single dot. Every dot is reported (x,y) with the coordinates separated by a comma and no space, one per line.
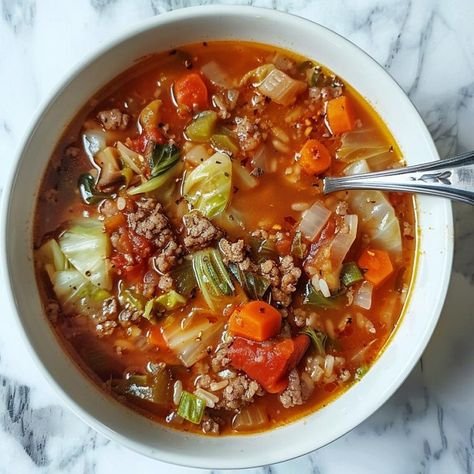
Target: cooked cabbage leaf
(377,216)
(87,247)
(208,187)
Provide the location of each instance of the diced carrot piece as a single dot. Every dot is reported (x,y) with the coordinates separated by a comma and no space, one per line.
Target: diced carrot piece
(314,157)
(113,223)
(377,265)
(256,320)
(268,362)
(340,115)
(190,90)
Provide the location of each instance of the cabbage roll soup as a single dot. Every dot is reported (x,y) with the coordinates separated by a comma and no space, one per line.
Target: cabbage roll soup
(186,256)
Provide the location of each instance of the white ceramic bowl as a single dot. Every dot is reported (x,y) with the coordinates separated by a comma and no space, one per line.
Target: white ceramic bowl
(427,293)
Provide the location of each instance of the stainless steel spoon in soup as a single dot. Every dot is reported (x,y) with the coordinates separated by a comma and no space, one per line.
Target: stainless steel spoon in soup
(451,178)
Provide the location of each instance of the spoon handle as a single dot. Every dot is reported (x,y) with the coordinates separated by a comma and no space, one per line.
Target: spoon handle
(452,178)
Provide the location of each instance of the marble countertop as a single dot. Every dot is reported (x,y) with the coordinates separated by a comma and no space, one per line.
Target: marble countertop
(428,47)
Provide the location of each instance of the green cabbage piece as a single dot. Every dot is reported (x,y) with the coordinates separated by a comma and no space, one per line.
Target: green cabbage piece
(208,187)
(87,247)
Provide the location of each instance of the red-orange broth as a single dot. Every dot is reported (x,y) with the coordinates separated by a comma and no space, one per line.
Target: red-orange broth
(125,265)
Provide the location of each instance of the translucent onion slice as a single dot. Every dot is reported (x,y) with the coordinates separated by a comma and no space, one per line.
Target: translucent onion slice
(281,88)
(363,296)
(313,220)
(217,75)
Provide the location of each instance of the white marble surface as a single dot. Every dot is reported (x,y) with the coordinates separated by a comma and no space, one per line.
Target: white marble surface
(428,46)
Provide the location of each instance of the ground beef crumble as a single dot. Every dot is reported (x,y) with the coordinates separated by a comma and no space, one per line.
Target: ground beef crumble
(283,279)
(113,119)
(200,232)
(150,221)
(106,321)
(239,392)
(209,425)
(236,253)
(292,396)
(248,133)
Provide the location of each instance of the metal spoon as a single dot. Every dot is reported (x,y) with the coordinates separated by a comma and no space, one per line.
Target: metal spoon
(452,178)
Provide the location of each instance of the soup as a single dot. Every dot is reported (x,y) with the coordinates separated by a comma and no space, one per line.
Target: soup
(187,257)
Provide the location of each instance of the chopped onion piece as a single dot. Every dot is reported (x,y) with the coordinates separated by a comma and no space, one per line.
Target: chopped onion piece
(261,158)
(130,158)
(217,75)
(363,296)
(197,154)
(313,220)
(281,88)
(343,241)
(249,417)
(94,140)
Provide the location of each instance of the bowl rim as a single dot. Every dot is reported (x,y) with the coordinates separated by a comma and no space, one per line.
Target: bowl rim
(211,11)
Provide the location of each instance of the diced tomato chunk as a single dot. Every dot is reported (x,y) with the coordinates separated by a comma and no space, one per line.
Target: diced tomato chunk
(268,362)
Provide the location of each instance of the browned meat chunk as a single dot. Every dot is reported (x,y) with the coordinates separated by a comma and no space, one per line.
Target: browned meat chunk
(150,222)
(283,278)
(209,425)
(106,321)
(290,274)
(236,253)
(113,119)
(199,231)
(291,396)
(129,316)
(232,252)
(239,392)
(221,358)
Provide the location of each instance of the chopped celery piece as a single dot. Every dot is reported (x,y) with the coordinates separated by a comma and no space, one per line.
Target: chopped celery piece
(51,254)
(208,187)
(87,247)
(191,407)
(351,274)
(312,297)
(170,300)
(318,338)
(212,276)
(152,388)
(183,277)
(155,183)
(128,175)
(201,127)
(76,294)
(163,158)
(88,191)
(150,115)
(298,248)
(262,249)
(129,298)
(224,144)
(254,285)
(249,417)
(191,341)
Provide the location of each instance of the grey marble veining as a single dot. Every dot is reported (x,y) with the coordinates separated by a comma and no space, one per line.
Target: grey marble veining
(428,47)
